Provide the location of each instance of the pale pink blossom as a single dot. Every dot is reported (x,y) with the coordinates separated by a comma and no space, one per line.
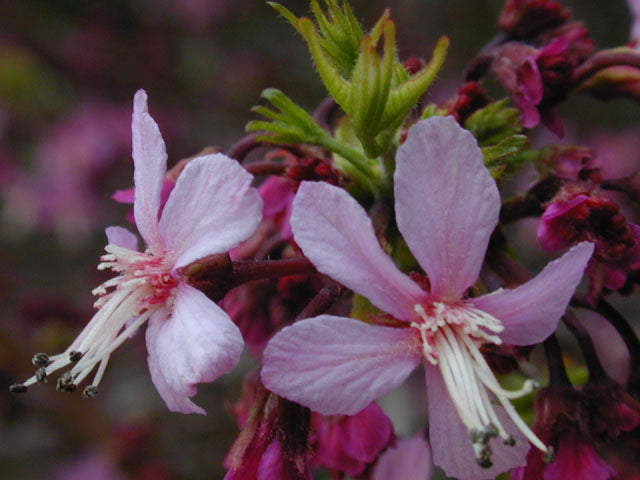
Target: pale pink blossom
(189,338)
(447,206)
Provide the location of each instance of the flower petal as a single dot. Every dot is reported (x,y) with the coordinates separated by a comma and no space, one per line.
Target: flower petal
(447,204)
(150,165)
(176,401)
(337,365)
(452,449)
(211,209)
(336,234)
(347,443)
(530,313)
(197,343)
(121,237)
(410,459)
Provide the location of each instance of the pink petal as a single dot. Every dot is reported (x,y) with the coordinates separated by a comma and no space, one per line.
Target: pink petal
(275,192)
(410,459)
(124,196)
(447,204)
(530,313)
(176,401)
(349,442)
(122,237)
(197,343)
(212,208)
(452,449)
(150,164)
(336,234)
(552,229)
(271,466)
(366,433)
(577,459)
(337,365)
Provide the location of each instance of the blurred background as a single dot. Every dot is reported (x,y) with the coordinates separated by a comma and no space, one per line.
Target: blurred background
(68,72)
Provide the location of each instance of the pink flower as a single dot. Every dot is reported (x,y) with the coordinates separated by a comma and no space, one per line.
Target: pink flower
(410,459)
(349,443)
(189,338)
(584,213)
(447,206)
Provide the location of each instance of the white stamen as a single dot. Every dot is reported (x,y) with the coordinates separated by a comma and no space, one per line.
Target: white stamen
(144,285)
(451,338)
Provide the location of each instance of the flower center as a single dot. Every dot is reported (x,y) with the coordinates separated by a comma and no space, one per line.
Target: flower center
(144,286)
(451,338)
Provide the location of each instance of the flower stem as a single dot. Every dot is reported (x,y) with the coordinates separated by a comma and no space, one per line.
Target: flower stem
(250,270)
(557,372)
(631,340)
(217,274)
(596,372)
(265,168)
(323,300)
(530,204)
(605,59)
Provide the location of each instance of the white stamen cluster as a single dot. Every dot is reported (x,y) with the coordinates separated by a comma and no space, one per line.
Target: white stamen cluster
(451,338)
(143,286)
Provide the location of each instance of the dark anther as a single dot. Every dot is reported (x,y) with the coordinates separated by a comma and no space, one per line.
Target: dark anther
(491,431)
(510,441)
(41,374)
(75,356)
(41,360)
(90,392)
(483,436)
(18,388)
(65,383)
(484,458)
(549,456)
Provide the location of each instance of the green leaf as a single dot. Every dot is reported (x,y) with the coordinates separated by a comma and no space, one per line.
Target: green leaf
(291,124)
(502,158)
(371,86)
(494,123)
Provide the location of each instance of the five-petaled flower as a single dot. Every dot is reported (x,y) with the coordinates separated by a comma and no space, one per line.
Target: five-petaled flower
(212,208)
(447,206)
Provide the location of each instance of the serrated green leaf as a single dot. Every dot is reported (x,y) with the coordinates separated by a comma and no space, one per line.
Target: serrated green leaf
(293,125)
(503,158)
(494,123)
(372,88)
(506,147)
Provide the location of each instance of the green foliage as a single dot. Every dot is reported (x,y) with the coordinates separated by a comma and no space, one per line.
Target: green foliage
(494,123)
(291,124)
(498,131)
(373,89)
(341,33)
(502,158)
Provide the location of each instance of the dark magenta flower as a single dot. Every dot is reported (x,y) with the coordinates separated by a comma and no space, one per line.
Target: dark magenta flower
(349,444)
